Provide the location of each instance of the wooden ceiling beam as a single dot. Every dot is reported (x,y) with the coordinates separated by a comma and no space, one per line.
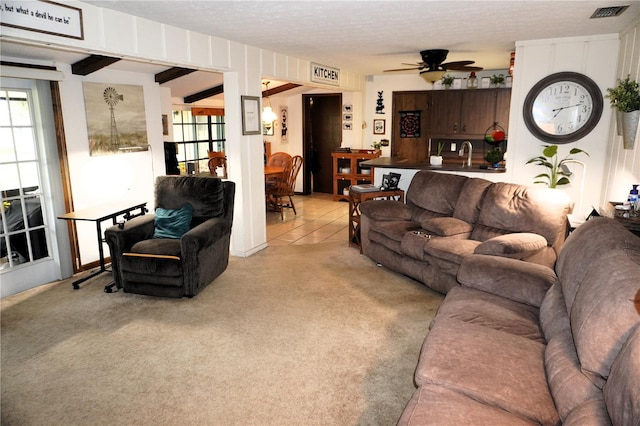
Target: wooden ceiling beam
(172,74)
(92,64)
(279,89)
(204,94)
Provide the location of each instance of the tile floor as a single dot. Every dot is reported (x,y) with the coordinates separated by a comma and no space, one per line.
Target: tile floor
(319,219)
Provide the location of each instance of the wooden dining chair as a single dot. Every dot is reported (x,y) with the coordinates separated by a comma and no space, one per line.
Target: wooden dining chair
(217,159)
(284,187)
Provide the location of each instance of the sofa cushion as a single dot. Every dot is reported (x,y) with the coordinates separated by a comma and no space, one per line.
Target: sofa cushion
(603,313)
(450,249)
(470,199)
(204,194)
(390,233)
(172,223)
(518,245)
(437,405)
(482,308)
(490,366)
(447,226)
(158,256)
(622,391)
(435,192)
(508,207)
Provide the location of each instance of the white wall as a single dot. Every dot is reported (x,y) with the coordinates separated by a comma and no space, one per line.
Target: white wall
(107,32)
(622,167)
(537,59)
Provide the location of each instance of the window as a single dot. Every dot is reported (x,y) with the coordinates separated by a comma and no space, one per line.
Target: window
(194,136)
(23,233)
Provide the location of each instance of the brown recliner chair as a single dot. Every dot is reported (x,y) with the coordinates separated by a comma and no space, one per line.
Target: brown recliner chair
(148,254)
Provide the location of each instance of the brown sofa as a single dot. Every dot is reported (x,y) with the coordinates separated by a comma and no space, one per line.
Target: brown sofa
(520,343)
(448,217)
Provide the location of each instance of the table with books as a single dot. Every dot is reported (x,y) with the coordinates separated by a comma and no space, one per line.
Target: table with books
(358,194)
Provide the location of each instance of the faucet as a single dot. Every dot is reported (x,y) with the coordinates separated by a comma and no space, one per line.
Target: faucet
(461,152)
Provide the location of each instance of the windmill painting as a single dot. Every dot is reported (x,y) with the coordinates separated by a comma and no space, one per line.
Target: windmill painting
(116,120)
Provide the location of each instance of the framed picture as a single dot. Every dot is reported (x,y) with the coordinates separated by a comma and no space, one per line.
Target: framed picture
(347,125)
(378,127)
(267,128)
(250,115)
(347,117)
(165,124)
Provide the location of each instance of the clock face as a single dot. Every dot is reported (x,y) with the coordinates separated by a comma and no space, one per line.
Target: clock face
(563,107)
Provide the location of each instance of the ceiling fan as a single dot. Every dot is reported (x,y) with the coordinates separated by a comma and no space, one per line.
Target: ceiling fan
(433,67)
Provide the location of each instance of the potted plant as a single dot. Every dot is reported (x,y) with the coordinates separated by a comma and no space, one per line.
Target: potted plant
(497,80)
(436,160)
(555,175)
(447,81)
(376,145)
(625,98)
(494,157)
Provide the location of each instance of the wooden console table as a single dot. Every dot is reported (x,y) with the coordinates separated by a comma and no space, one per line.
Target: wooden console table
(355,199)
(99,214)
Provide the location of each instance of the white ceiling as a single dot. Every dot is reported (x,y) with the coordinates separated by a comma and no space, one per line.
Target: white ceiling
(362,36)
(370,36)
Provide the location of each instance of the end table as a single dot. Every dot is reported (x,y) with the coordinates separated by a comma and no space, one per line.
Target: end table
(358,197)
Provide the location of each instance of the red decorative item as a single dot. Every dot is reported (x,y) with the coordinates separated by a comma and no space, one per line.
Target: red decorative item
(495,134)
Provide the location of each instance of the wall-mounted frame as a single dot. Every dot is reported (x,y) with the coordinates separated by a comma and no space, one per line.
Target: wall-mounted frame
(165,125)
(378,127)
(267,128)
(250,115)
(44,17)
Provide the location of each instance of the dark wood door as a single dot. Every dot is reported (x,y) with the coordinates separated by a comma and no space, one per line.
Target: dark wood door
(411,148)
(322,133)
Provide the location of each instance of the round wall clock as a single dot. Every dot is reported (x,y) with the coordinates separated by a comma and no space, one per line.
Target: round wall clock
(563,107)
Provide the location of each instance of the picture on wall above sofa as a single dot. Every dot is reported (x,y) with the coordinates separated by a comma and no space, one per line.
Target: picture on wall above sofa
(116,120)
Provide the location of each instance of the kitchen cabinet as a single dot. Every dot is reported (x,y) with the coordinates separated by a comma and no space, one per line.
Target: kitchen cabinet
(468,113)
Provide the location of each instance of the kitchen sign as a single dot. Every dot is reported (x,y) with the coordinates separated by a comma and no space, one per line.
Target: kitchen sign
(324,74)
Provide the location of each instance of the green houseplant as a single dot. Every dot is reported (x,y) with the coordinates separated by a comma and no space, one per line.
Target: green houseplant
(497,80)
(447,81)
(625,98)
(555,174)
(494,156)
(436,160)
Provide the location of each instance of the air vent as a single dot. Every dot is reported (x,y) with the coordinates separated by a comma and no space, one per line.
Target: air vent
(609,12)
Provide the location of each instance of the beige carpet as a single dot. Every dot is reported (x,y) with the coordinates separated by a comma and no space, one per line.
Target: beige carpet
(295,335)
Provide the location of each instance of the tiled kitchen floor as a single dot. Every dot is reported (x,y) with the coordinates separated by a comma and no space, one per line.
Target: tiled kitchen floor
(319,219)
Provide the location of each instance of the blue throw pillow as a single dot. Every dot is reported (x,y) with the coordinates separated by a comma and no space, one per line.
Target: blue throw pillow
(172,223)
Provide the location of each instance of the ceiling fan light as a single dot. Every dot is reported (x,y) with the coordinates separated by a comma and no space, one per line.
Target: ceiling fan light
(432,76)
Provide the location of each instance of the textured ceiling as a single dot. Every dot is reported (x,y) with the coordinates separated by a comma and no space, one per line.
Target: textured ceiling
(370,36)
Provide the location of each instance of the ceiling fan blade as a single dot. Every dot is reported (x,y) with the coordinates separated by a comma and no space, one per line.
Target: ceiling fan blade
(404,69)
(420,64)
(457,63)
(458,68)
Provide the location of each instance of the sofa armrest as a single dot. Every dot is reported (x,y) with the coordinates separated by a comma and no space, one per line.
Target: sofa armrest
(204,235)
(518,245)
(513,279)
(122,238)
(386,210)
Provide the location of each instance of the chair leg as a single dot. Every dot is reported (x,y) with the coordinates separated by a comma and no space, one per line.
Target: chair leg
(292,205)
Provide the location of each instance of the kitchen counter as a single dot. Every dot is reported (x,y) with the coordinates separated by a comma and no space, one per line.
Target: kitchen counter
(401,163)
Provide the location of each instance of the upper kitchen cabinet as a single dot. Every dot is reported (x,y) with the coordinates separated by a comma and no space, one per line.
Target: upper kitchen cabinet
(468,113)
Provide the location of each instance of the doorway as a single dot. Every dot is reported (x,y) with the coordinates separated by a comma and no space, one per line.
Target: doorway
(321,135)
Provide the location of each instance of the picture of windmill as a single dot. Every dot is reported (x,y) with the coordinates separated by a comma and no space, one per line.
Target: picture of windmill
(106,102)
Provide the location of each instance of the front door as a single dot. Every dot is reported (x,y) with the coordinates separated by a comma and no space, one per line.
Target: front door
(322,134)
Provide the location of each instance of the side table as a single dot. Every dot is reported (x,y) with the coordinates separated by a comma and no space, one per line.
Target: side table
(356,198)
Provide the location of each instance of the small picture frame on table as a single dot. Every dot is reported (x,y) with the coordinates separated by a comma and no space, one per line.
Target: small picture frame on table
(378,127)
